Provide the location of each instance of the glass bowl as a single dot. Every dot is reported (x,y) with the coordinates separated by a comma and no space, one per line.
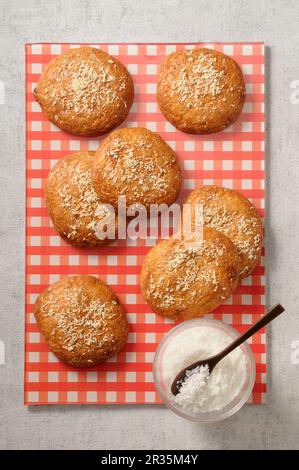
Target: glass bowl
(211,416)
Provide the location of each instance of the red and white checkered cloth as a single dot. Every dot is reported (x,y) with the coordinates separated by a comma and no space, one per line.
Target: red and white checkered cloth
(233,158)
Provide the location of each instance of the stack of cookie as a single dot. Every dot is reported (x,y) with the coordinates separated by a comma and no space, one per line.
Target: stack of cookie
(182,278)
(87,92)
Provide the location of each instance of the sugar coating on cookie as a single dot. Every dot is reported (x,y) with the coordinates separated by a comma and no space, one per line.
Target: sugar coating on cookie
(183,278)
(235,216)
(82,320)
(85,91)
(139,164)
(73,204)
(200,91)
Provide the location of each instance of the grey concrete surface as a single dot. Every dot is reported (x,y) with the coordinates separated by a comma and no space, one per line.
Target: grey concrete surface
(275,425)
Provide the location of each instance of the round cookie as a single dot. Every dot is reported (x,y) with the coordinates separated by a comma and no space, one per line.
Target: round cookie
(136,163)
(234,215)
(183,278)
(73,205)
(200,91)
(85,92)
(82,320)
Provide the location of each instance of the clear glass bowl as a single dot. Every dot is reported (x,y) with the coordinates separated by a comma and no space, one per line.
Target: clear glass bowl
(212,416)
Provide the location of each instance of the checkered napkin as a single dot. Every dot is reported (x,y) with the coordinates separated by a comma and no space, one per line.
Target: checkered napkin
(233,158)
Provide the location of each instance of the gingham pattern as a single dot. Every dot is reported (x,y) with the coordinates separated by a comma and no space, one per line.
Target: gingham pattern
(233,158)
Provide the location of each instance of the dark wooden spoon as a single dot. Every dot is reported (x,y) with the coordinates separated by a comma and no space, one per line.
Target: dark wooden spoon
(213,360)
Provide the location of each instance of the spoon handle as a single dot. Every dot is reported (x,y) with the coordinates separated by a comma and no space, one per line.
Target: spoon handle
(269,316)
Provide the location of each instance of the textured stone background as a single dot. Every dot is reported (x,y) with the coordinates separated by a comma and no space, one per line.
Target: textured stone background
(275,425)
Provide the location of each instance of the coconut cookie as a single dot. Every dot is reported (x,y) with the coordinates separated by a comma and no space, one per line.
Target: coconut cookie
(85,92)
(138,164)
(183,278)
(82,320)
(200,91)
(234,215)
(73,205)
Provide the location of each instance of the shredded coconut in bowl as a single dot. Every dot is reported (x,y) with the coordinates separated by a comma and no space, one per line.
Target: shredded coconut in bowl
(202,392)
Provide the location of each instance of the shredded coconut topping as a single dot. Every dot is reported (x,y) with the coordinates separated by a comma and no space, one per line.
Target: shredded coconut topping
(135,169)
(86,84)
(200,78)
(78,197)
(190,272)
(81,321)
(200,81)
(241,228)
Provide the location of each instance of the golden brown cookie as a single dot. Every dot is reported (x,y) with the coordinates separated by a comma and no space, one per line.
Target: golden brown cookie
(233,214)
(136,163)
(183,278)
(73,204)
(200,90)
(82,320)
(85,92)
